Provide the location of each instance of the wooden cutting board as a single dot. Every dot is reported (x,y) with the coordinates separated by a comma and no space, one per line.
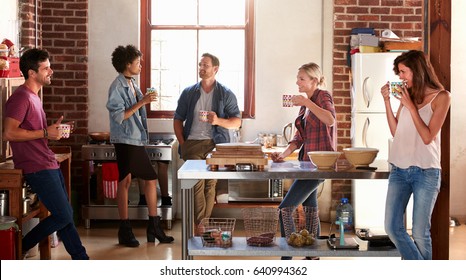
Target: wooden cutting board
(237,153)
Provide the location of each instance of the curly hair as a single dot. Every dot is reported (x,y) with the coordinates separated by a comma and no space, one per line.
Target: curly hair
(123,56)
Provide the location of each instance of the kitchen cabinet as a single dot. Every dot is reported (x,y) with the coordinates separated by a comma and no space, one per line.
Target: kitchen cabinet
(194,170)
(11,180)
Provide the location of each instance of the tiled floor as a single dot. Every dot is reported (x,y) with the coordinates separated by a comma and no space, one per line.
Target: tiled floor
(102,244)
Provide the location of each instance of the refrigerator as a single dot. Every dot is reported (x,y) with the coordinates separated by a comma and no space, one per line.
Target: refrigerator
(369,128)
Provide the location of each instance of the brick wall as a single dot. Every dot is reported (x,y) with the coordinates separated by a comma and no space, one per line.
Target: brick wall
(63,31)
(404,17)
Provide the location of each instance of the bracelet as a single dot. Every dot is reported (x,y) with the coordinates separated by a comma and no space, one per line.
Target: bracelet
(132,110)
(46,134)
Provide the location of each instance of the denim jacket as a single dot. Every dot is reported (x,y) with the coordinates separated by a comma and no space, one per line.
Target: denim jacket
(132,131)
(224,104)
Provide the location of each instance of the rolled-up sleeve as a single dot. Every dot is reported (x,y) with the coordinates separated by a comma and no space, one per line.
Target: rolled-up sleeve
(116,104)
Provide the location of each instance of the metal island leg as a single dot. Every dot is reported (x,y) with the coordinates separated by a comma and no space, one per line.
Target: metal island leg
(187,209)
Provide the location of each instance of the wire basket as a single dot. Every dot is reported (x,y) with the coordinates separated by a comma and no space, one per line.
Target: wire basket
(260,225)
(297,219)
(217,232)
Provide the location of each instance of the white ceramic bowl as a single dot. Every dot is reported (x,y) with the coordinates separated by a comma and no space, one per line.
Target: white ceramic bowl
(324,159)
(360,156)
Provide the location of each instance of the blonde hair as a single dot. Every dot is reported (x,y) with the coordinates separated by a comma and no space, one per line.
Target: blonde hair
(314,72)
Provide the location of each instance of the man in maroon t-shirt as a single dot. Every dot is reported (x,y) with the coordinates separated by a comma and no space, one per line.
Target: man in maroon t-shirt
(25,126)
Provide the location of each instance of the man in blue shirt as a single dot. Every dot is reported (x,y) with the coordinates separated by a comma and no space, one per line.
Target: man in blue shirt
(197,136)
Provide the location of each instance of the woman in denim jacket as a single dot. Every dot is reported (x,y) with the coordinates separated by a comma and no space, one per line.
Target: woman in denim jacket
(128,133)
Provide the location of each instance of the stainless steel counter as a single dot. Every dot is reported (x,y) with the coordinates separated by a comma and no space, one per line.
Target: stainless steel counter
(281,248)
(197,169)
(194,170)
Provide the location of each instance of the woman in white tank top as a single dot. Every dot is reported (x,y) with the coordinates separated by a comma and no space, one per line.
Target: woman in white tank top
(415,153)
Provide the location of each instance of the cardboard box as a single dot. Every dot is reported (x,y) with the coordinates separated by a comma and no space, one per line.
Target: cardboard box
(402,46)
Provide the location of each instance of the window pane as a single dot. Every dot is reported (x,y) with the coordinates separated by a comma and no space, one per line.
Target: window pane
(221,12)
(172,69)
(228,46)
(174,12)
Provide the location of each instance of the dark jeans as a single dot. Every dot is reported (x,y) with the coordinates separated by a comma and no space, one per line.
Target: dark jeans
(49,186)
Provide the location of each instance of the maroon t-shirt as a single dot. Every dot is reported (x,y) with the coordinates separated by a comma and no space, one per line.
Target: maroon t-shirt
(31,156)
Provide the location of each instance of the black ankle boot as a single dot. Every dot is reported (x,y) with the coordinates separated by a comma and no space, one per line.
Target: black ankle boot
(142,200)
(126,236)
(154,230)
(166,201)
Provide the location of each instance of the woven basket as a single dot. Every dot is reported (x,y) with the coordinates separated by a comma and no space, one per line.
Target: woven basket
(260,225)
(217,232)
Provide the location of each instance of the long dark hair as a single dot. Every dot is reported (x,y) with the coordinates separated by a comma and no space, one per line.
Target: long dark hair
(423,74)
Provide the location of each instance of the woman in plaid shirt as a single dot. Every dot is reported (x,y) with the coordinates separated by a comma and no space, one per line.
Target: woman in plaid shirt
(315,131)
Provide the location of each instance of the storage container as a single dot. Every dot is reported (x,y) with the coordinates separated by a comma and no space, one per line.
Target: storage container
(260,225)
(217,232)
(8,233)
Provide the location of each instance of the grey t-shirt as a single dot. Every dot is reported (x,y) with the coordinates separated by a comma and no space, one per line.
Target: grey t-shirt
(202,130)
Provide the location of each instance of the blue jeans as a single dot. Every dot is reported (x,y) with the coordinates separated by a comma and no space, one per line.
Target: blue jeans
(301,192)
(424,184)
(49,186)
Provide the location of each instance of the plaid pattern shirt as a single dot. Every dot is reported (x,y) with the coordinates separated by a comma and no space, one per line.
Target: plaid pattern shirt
(312,134)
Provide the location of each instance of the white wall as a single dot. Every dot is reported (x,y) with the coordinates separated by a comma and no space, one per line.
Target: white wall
(458,117)
(9,23)
(289,34)
(111,23)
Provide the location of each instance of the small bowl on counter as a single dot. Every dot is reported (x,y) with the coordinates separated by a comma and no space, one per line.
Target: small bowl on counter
(324,159)
(360,156)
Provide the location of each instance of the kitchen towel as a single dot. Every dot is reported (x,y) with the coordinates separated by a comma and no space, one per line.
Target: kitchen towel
(110,179)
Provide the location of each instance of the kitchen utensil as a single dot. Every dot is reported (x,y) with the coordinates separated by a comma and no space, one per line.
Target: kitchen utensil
(288,132)
(4,207)
(273,136)
(100,136)
(268,142)
(281,141)
(26,206)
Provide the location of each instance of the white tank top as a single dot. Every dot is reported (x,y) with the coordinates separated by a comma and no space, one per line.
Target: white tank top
(408,149)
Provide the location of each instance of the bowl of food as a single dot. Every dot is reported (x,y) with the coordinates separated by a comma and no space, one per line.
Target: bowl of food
(360,156)
(324,159)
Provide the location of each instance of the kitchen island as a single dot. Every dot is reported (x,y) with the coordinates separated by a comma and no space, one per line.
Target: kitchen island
(194,170)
